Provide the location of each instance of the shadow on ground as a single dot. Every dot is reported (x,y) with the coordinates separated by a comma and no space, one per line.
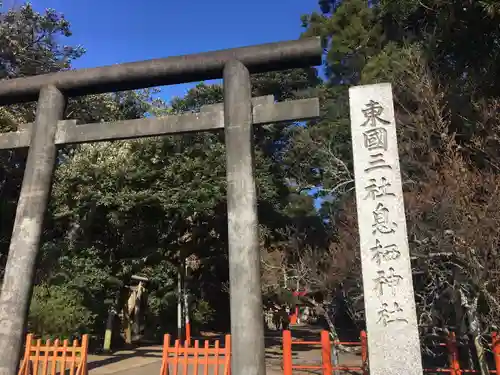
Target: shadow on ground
(301,354)
(148,352)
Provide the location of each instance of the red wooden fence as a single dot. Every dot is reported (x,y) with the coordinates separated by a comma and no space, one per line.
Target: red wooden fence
(196,356)
(54,358)
(327,367)
(326,357)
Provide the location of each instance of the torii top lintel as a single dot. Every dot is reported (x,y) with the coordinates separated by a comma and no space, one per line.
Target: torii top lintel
(165,71)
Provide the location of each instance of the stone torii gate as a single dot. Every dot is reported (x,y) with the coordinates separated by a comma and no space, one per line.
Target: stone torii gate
(236,116)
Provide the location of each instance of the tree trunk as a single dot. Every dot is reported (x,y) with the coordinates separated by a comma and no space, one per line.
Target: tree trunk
(128,309)
(335,338)
(187,323)
(331,326)
(138,312)
(110,324)
(179,304)
(109,330)
(475,331)
(476,336)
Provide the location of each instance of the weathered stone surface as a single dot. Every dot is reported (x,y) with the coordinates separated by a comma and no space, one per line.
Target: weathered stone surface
(17,282)
(247,324)
(167,71)
(210,118)
(393,339)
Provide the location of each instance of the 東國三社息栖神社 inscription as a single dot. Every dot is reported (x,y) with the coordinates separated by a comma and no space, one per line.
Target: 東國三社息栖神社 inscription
(387,280)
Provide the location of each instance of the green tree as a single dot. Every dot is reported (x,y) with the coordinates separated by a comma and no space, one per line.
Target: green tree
(31,44)
(57,311)
(446,100)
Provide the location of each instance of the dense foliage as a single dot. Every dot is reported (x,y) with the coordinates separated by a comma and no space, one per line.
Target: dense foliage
(141,207)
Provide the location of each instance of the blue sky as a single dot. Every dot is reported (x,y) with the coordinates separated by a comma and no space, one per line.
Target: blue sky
(116,31)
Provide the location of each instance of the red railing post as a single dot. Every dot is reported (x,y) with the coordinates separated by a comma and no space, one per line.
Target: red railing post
(453,354)
(326,353)
(188,331)
(364,352)
(495,348)
(287,352)
(227,349)
(164,356)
